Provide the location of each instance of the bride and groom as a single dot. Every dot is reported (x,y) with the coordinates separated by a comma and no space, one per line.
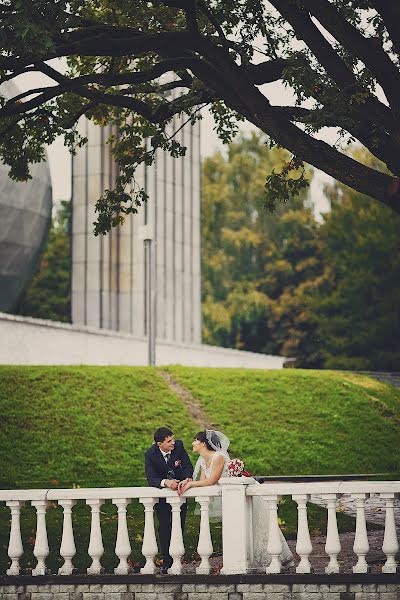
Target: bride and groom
(168,465)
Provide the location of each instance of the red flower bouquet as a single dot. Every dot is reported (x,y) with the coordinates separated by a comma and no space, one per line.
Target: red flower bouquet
(235,468)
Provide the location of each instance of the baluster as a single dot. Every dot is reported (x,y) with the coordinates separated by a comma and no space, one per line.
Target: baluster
(96,548)
(67,548)
(390,544)
(303,544)
(149,546)
(332,546)
(41,549)
(361,545)
(204,547)
(176,548)
(15,548)
(274,547)
(122,546)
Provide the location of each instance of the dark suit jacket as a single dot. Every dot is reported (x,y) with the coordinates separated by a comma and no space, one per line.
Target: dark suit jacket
(156,469)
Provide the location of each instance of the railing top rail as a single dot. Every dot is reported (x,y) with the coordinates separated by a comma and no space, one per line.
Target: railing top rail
(324,487)
(103,493)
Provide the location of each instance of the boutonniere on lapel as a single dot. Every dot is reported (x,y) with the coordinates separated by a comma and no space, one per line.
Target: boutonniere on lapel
(178,463)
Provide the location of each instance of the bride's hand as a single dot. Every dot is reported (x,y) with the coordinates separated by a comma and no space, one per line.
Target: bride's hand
(181,484)
(184,486)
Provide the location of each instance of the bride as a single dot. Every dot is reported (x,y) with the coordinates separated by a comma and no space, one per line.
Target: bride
(213,449)
(212,465)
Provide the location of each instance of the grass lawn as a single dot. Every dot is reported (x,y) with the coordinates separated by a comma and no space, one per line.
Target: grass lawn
(89,426)
(294,422)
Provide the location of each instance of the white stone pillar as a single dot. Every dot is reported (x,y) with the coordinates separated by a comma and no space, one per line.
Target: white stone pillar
(122,546)
(204,547)
(235,525)
(15,548)
(332,545)
(361,545)
(176,547)
(41,549)
(303,544)
(390,543)
(67,549)
(149,546)
(96,548)
(274,547)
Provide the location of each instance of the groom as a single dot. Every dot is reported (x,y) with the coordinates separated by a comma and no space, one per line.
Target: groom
(166,463)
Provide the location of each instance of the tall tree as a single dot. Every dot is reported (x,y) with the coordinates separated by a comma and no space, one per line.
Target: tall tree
(137,64)
(48,295)
(255,267)
(355,304)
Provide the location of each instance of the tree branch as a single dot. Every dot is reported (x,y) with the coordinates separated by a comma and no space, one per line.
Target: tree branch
(116,41)
(336,68)
(268,71)
(375,58)
(383,147)
(390,12)
(257,109)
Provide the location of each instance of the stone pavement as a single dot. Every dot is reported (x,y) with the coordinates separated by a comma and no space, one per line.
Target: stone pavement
(319,559)
(374,508)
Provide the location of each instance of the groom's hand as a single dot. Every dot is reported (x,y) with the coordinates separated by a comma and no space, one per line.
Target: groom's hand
(172,484)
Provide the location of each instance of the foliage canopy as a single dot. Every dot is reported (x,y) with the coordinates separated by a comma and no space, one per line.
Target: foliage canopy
(136,64)
(323,291)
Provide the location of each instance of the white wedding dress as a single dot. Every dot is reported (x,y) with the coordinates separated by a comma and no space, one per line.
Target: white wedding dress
(261,558)
(215,506)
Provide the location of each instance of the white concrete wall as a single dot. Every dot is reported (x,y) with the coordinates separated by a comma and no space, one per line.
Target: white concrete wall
(28,341)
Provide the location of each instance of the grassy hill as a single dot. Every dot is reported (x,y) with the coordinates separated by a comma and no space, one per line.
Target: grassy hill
(84,425)
(293,422)
(89,426)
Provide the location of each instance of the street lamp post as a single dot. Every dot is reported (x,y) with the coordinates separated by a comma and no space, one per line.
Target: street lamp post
(146,234)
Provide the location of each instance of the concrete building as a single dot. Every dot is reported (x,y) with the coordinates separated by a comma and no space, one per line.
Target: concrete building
(110,274)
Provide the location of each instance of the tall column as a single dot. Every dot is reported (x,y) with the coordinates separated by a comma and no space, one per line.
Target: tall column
(235,525)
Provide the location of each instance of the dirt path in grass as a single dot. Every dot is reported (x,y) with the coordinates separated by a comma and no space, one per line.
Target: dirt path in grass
(191,403)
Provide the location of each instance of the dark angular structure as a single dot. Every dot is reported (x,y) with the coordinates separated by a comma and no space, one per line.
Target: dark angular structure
(25,217)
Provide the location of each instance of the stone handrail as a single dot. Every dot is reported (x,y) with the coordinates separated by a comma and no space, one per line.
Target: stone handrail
(95,497)
(249,510)
(330,491)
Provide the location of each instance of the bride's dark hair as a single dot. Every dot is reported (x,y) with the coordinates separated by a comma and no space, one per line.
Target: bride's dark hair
(202,437)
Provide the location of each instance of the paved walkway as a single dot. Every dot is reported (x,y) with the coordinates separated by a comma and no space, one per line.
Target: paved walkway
(319,559)
(374,508)
(393,378)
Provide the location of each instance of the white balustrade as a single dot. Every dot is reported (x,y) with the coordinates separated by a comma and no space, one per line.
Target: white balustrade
(96,548)
(67,548)
(122,546)
(41,549)
(303,544)
(390,544)
(332,545)
(149,546)
(236,524)
(239,496)
(15,548)
(204,547)
(274,546)
(361,544)
(176,547)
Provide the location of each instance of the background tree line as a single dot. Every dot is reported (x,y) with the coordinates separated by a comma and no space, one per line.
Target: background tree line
(325,292)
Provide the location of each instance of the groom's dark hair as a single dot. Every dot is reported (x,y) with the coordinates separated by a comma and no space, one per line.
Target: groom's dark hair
(161,433)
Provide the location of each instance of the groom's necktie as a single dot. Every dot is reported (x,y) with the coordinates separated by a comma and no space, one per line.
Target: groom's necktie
(167,456)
